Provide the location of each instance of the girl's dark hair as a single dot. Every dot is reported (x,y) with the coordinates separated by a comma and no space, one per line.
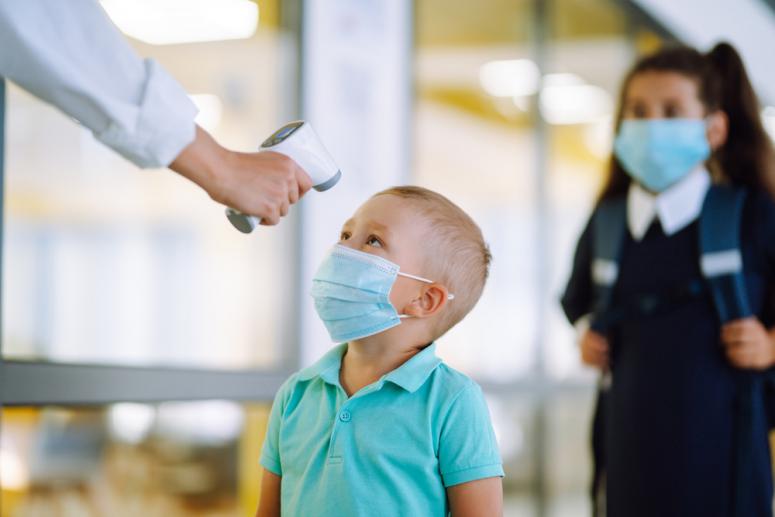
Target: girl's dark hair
(747,156)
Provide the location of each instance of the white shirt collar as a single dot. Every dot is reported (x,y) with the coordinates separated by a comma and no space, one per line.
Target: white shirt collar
(677,207)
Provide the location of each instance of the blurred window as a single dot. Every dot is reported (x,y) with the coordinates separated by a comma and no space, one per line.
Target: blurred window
(105,263)
(174,459)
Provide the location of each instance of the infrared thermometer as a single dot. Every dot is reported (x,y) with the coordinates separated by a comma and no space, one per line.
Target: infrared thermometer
(299,142)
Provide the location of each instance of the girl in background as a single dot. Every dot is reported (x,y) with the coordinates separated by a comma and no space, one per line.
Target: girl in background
(682,428)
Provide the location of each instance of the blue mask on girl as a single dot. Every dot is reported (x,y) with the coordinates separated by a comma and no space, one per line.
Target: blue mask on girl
(351,291)
(659,153)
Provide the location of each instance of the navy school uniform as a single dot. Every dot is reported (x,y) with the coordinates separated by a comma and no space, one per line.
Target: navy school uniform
(674,405)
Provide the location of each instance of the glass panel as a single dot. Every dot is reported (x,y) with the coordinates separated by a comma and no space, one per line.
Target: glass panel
(478,149)
(514,422)
(104,263)
(568,460)
(592,45)
(181,459)
(546,439)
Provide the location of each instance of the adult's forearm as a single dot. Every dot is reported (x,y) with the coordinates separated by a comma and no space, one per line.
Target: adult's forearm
(70,55)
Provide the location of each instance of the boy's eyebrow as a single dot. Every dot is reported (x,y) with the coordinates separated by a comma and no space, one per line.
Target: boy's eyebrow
(379,226)
(370,222)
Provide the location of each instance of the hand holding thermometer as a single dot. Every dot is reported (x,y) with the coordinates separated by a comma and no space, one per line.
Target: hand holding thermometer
(299,142)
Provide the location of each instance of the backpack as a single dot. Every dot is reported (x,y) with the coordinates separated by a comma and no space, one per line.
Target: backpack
(721,265)
(721,260)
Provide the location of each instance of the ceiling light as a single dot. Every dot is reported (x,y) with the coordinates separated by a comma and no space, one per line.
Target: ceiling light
(562,79)
(575,104)
(165,22)
(509,78)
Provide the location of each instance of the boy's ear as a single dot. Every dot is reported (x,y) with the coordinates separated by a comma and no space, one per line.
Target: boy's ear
(432,299)
(718,129)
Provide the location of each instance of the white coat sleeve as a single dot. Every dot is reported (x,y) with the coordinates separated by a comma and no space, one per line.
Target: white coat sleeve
(70,54)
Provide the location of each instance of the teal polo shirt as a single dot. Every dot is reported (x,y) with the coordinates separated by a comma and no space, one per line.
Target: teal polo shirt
(391,449)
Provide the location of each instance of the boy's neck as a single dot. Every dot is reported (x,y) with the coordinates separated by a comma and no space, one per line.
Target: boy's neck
(367,360)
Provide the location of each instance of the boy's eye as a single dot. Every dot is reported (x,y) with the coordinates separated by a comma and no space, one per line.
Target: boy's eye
(344,236)
(374,241)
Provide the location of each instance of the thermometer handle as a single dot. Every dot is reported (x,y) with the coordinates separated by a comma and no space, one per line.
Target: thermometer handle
(298,141)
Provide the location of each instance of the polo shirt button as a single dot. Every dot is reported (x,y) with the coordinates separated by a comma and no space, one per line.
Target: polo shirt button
(345,416)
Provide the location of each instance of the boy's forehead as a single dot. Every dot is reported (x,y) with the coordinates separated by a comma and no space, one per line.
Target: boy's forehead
(385,209)
(388,211)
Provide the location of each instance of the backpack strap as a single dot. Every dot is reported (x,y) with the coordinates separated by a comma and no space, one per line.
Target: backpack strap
(721,260)
(608,235)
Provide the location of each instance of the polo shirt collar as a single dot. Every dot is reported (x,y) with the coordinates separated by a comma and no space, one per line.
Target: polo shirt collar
(327,367)
(409,376)
(413,373)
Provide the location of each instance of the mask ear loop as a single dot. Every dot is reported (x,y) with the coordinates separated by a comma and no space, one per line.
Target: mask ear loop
(450,296)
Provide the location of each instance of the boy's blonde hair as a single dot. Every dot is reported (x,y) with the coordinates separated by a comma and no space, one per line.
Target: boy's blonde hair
(456,254)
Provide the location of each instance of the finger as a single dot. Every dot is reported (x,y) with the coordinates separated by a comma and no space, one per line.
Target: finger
(284,208)
(734,327)
(746,363)
(734,323)
(742,346)
(746,325)
(303,180)
(737,353)
(735,333)
(293,192)
(596,359)
(731,342)
(742,358)
(747,334)
(736,360)
(595,362)
(271,218)
(595,346)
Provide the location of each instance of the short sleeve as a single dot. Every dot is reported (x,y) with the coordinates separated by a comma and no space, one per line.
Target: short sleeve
(467,447)
(270,453)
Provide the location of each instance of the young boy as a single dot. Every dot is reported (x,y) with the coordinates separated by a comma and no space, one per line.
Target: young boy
(379,425)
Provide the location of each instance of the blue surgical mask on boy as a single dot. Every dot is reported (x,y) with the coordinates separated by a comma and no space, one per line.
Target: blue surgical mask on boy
(351,290)
(658,153)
